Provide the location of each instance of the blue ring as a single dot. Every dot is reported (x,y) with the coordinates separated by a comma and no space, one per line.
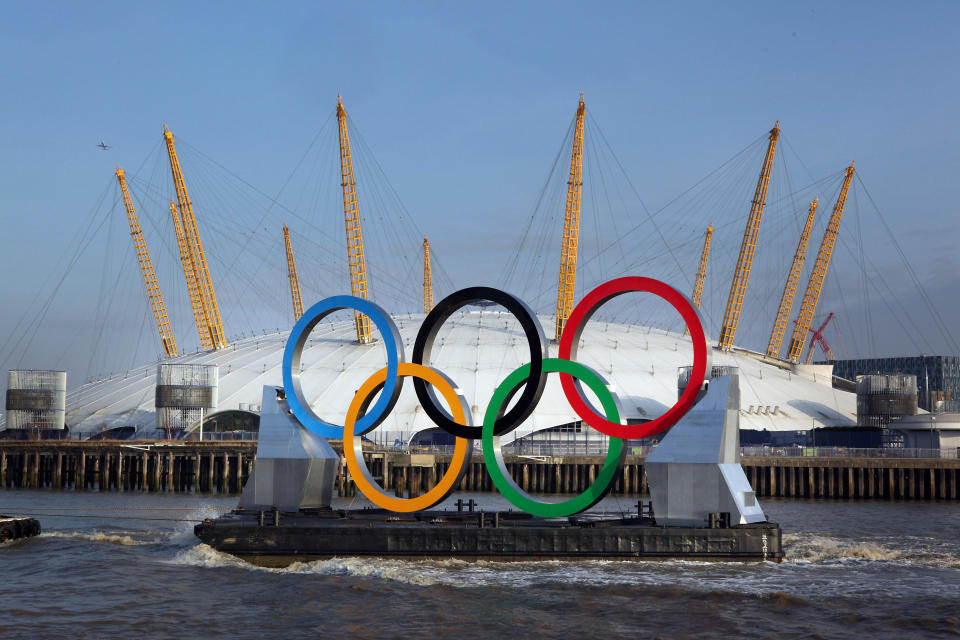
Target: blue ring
(294,348)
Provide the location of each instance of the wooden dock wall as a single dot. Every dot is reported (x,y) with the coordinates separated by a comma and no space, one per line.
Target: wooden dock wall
(223,467)
(868,478)
(207,467)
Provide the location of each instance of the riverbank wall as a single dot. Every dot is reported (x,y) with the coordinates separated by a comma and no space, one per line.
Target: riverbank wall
(222,467)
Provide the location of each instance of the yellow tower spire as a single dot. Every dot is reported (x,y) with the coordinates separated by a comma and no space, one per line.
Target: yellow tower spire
(351,214)
(702,269)
(571,227)
(149,275)
(790,289)
(427,278)
(190,275)
(208,297)
(292,273)
(741,275)
(819,273)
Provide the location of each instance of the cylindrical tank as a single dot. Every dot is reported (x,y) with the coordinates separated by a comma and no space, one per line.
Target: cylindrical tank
(36,399)
(684,373)
(185,392)
(882,397)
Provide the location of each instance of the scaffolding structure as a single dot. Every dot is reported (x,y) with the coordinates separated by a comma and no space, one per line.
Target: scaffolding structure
(36,399)
(184,394)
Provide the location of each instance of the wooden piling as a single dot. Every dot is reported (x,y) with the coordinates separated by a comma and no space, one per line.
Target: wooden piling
(224,467)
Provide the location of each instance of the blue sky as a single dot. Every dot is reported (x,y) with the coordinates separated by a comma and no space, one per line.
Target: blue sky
(465,107)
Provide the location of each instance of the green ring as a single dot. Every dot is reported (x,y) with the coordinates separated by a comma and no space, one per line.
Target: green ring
(493,456)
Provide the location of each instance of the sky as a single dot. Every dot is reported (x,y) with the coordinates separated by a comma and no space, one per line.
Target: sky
(464,107)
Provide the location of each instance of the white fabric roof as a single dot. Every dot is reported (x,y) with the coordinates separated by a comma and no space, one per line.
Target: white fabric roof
(477,349)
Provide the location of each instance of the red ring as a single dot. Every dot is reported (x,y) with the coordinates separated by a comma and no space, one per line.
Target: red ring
(570,339)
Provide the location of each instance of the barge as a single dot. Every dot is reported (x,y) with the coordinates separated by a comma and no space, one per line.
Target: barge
(702,506)
(276,539)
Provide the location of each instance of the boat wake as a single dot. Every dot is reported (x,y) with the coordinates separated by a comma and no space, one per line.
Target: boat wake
(124,540)
(452,572)
(824,549)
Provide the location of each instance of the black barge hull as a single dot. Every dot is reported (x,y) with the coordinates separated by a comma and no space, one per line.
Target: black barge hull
(277,539)
(13,528)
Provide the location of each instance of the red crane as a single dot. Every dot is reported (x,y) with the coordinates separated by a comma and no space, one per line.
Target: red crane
(818,339)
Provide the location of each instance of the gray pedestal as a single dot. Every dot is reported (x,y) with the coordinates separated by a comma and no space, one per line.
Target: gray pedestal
(295,468)
(695,470)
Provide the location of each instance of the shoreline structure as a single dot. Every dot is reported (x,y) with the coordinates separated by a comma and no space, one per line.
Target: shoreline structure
(223,467)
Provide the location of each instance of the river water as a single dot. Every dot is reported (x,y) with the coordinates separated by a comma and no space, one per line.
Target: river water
(854,569)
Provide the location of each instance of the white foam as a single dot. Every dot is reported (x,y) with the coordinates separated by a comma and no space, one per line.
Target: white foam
(183,535)
(825,549)
(96,536)
(202,555)
(461,573)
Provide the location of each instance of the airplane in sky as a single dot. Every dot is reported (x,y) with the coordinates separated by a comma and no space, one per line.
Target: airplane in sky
(103,145)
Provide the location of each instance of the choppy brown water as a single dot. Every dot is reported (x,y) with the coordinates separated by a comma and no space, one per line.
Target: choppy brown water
(854,569)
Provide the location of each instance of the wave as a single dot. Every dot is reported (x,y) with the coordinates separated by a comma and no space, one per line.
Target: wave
(822,549)
(96,536)
(453,572)
(769,581)
(418,572)
(202,555)
(784,599)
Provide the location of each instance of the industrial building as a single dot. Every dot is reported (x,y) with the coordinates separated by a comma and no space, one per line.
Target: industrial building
(938,377)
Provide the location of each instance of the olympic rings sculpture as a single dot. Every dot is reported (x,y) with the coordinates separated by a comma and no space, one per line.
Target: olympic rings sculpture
(528,380)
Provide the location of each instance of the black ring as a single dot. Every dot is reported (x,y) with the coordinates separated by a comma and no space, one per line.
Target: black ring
(532,388)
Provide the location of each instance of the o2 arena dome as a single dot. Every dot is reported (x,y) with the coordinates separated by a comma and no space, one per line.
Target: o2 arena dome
(217,392)
(477,349)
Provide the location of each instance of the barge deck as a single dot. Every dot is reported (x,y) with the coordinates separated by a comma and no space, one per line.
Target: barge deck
(276,539)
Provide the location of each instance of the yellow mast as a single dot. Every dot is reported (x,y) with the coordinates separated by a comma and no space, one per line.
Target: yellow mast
(208,297)
(149,274)
(790,289)
(292,273)
(741,275)
(819,273)
(427,278)
(351,214)
(571,227)
(702,269)
(191,277)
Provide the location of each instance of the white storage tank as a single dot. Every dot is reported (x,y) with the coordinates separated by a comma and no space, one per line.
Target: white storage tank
(36,399)
(882,397)
(185,393)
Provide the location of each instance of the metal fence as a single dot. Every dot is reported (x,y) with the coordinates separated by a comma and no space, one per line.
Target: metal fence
(223,436)
(521,448)
(598,448)
(548,449)
(846,452)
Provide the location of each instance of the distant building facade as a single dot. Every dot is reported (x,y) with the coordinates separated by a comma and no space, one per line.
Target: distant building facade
(938,377)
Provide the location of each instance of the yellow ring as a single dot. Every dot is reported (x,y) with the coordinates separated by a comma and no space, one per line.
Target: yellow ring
(354,453)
